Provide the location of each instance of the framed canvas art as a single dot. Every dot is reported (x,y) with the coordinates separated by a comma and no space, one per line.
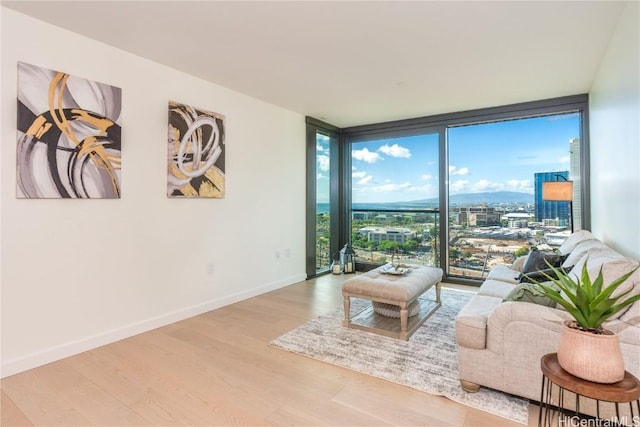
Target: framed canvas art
(196,154)
(68,136)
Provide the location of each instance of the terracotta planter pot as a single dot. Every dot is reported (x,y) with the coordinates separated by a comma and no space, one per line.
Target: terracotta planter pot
(592,357)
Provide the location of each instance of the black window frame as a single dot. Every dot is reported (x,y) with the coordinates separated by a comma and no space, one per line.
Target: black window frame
(440,122)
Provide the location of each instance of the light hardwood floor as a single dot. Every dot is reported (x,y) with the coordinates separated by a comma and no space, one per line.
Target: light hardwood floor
(217,369)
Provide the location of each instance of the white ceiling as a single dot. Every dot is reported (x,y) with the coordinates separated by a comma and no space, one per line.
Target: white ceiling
(359,62)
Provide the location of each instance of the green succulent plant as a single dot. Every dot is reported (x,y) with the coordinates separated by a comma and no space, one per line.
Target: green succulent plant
(589,302)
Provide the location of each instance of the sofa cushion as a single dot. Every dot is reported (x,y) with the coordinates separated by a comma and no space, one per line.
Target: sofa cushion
(594,258)
(504,274)
(471,321)
(495,288)
(580,251)
(530,292)
(575,238)
(631,316)
(613,266)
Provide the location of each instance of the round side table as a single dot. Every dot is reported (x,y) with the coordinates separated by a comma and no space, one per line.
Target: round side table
(622,392)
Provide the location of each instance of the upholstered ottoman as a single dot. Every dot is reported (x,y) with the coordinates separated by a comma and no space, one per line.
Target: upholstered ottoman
(398,290)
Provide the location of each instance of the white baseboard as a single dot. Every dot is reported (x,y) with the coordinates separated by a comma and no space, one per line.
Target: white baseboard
(33,360)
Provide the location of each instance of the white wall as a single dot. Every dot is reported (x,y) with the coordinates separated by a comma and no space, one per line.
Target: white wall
(615,139)
(77,274)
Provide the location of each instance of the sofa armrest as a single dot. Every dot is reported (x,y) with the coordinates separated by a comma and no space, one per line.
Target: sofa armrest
(517,313)
(551,319)
(471,321)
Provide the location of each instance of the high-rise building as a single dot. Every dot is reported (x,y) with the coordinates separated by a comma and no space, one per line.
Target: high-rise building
(550,210)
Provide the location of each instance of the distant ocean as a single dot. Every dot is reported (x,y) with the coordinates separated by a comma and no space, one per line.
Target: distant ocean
(498,198)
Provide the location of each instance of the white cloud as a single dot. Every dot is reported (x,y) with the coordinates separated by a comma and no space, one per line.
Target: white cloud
(362,177)
(453,170)
(486,185)
(426,177)
(365,155)
(458,186)
(323,163)
(565,159)
(322,148)
(320,176)
(395,151)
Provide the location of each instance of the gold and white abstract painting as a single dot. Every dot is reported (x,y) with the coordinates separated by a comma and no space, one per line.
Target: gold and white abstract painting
(69,132)
(196,155)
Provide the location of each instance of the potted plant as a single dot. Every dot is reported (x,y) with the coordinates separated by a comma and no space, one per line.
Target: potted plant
(585,348)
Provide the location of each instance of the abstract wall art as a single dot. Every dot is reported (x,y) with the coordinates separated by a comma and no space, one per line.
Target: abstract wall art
(196,155)
(68,136)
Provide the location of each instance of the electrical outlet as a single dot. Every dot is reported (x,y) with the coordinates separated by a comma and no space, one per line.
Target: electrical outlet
(210,268)
(287,252)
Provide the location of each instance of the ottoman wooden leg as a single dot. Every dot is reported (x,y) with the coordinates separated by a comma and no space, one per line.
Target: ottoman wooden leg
(404,320)
(347,309)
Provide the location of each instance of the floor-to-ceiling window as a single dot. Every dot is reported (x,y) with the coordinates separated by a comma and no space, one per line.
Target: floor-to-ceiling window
(463,191)
(496,175)
(323,202)
(322,196)
(395,199)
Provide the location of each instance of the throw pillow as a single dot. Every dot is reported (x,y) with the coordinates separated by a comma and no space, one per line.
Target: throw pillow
(530,292)
(541,275)
(538,262)
(519,262)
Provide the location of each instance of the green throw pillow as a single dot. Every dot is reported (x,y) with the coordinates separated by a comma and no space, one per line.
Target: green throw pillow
(530,292)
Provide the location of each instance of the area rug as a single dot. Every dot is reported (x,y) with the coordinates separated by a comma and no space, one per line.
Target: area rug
(427,362)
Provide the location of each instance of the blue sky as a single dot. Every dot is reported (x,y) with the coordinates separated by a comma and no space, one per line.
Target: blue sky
(500,156)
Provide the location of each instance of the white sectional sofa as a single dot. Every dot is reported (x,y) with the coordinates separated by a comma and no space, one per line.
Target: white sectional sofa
(500,343)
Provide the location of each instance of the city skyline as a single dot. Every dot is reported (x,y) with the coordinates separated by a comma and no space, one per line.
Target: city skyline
(490,157)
